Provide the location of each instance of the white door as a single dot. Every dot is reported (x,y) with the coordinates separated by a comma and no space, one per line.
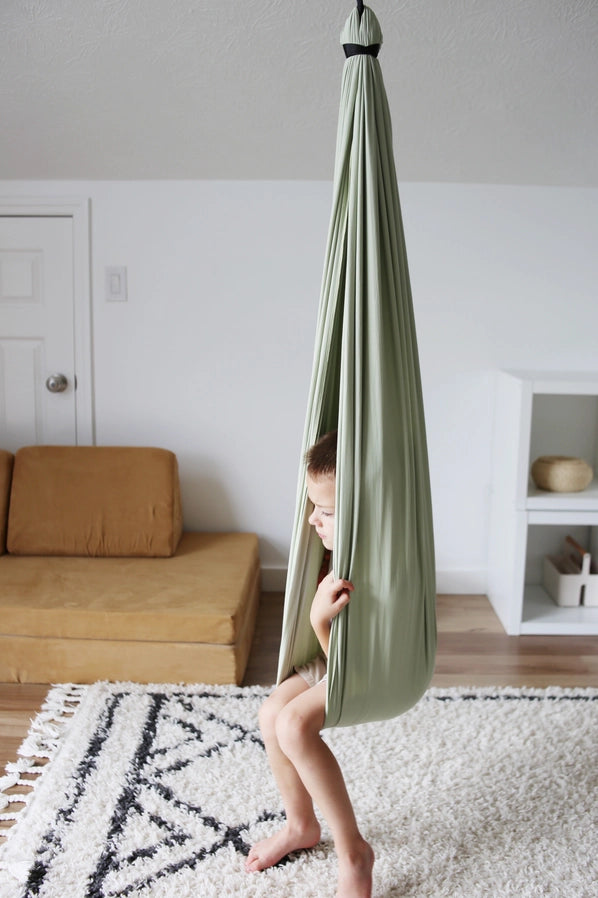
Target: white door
(37,338)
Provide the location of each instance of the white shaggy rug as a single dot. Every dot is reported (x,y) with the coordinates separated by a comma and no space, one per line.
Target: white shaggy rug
(155,791)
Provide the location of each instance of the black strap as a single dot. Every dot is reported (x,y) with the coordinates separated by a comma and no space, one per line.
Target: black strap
(360,7)
(359,50)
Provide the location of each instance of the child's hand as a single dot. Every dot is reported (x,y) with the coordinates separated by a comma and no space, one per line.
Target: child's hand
(332,595)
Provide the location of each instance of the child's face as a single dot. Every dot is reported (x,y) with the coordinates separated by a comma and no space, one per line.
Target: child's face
(321,492)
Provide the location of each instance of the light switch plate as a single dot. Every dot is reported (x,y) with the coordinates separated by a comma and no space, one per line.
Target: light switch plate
(116,283)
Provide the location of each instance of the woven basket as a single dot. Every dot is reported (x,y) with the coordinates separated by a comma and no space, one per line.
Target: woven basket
(561,473)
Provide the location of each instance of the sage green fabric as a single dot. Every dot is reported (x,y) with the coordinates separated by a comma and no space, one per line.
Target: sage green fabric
(366,383)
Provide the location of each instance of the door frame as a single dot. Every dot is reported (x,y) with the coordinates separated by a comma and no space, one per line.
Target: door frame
(78,209)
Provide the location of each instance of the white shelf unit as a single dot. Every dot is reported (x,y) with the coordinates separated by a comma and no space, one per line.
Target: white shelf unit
(540,413)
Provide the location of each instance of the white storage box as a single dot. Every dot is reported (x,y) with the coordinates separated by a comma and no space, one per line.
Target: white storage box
(571,578)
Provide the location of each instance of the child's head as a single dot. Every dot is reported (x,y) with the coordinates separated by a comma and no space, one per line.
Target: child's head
(321,486)
(321,458)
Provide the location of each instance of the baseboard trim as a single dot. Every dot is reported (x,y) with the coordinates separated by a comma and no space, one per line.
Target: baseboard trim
(274,579)
(458,582)
(462,582)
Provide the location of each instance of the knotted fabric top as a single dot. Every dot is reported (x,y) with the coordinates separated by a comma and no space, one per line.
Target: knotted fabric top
(364,31)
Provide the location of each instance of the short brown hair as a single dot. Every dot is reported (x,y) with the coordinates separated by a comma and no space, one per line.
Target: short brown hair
(321,458)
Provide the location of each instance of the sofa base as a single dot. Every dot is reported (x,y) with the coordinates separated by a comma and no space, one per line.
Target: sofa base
(25,659)
(40,660)
(189,618)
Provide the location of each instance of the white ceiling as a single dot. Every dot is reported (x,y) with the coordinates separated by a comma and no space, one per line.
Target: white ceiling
(499,91)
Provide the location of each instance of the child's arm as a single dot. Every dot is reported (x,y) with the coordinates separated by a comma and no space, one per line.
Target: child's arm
(332,595)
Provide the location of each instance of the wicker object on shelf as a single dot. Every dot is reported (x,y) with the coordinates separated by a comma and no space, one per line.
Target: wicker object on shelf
(561,473)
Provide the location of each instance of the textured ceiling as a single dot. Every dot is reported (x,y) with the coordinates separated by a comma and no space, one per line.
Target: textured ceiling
(500,91)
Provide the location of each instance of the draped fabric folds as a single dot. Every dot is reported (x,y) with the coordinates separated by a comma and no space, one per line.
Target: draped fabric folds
(366,383)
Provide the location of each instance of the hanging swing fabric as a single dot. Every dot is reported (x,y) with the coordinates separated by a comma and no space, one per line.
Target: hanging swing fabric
(366,383)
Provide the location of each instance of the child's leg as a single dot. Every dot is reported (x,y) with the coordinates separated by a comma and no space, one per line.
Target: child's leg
(298,729)
(302,829)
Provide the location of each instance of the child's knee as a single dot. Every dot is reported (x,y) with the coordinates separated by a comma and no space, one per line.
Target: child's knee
(267,715)
(293,729)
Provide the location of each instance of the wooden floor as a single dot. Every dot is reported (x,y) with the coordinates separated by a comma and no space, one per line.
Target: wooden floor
(473,650)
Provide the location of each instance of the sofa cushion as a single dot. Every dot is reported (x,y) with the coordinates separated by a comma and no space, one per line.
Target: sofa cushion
(201,594)
(6,462)
(94,501)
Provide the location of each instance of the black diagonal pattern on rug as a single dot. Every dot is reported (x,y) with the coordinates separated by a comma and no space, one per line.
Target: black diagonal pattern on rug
(51,842)
(176,734)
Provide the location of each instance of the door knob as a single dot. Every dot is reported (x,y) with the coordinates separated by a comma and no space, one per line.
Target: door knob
(57,383)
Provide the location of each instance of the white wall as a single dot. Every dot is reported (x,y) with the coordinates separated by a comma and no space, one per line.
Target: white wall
(211,355)
(502,277)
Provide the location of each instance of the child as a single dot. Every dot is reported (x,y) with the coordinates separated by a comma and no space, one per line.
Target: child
(305,770)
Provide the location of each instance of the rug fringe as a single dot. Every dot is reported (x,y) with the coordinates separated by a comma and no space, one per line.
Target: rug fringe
(43,740)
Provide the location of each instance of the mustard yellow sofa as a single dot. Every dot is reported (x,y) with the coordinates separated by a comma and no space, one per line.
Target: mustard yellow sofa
(99,581)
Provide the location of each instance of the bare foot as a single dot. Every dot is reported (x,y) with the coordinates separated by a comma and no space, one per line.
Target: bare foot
(355,873)
(270,851)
